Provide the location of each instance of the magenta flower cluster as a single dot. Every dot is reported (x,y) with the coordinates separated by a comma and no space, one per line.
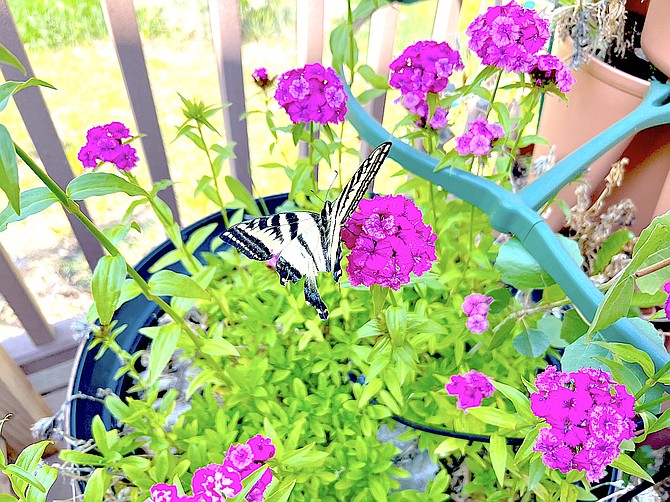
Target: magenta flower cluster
(666,288)
(476,307)
(388,240)
(312,93)
(261,78)
(588,414)
(217,482)
(422,68)
(471,388)
(549,69)
(479,137)
(508,37)
(105,144)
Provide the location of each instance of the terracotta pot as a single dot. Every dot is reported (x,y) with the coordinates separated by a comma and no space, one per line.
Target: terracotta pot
(601,96)
(655,35)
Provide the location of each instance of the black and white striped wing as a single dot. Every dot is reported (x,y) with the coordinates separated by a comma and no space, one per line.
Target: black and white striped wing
(297,239)
(338,213)
(263,238)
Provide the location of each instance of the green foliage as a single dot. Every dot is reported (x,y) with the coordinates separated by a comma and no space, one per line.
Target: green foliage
(30,480)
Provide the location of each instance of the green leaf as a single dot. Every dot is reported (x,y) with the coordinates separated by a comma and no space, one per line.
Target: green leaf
(100,435)
(521,270)
(7,498)
(501,298)
(10,87)
(47,476)
(77,457)
(532,343)
(28,460)
(97,184)
(582,354)
(21,479)
(627,464)
(242,195)
(219,347)
(611,247)
(631,354)
(368,95)
(33,201)
(108,279)
(169,283)
(615,305)
(535,473)
(552,327)
(498,452)
(280,492)
(369,391)
(162,348)
(9,171)
(662,422)
(373,78)
(95,487)
(494,416)
(573,326)
(501,332)
(526,447)
(519,400)
(8,58)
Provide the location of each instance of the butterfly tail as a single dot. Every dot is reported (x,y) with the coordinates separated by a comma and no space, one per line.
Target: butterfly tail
(313,298)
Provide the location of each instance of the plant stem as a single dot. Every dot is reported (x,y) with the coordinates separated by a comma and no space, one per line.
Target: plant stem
(651,404)
(653,380)
(73,208)
(493,95)
(222,206)
(653,268)
(311,143)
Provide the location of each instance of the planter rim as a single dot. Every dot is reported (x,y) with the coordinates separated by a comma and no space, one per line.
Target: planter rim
(616,78)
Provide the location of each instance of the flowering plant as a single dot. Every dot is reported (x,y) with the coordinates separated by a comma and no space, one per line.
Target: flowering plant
(434,327)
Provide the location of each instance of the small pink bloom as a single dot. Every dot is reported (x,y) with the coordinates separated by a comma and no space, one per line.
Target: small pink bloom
(262,448)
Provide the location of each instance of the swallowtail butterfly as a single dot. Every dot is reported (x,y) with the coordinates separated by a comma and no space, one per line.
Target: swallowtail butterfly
(307,243)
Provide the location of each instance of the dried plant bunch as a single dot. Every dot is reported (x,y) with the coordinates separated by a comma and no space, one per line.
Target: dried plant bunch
(591,224)
(594,26)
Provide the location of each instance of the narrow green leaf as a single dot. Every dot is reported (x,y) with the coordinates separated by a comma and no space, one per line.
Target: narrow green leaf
(498,452)
(162,348)
(241,194)
(47,476)
(7,498)
(9,88)
(526,447)
(627,464)
(9,170)
(219,347)
(611,247)
(369,391)
(77,457)
(97,184)
(95,487)
(535,473)
(106,286)
(100,435)
(23,479)
(615,305)
(519,400)
(8,58)
(662,422)
(631,354)
(494,416)
(33,201)
(280,492)
(373,78)
(169,283)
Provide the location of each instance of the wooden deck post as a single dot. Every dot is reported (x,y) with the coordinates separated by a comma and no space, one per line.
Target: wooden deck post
(18,397)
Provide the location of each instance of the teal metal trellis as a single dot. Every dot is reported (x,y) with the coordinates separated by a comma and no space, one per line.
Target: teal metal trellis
(516,213)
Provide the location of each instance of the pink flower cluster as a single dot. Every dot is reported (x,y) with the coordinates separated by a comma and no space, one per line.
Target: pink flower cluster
(422,68)
(261,78)
(312,93)
(388,240)
(510,37)
(476,307)
(588,413)
(666,288)
(105,144)
(216,482)
(479,137)
(471,388)
(549,69)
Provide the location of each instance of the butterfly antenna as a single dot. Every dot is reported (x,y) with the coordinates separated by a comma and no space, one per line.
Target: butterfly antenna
(331,184)
(316,194)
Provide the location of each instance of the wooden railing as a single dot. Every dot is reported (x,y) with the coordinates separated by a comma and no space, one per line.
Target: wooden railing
(53,345)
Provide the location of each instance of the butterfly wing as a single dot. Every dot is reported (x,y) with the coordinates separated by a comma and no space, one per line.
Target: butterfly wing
(263,238)
(307,243)
(338,213)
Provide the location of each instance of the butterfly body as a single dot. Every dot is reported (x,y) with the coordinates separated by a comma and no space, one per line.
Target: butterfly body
(306,243)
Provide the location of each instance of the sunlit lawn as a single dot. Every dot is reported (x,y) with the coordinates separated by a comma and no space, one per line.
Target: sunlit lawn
(91,92)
